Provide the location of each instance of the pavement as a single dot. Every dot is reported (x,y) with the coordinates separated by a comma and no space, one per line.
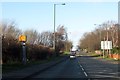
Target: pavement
(32,70)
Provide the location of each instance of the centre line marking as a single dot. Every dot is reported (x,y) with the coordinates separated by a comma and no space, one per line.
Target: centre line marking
(80,66)
(82,69)
(85,73)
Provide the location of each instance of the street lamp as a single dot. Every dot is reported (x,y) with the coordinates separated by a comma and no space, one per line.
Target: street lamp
(66,34)
(107,29)
(100,37)
(54,22)
(99,31)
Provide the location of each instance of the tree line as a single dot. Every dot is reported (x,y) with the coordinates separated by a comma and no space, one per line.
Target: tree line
(39,46)
(107,31)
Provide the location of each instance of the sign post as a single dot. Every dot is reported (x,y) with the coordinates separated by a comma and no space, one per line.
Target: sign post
(24,53)
(23,39)
(103,47)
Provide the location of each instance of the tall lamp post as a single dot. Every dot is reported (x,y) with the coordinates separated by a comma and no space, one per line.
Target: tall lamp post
(66,34)
(54,22)
(99,32)
(108,50)
(100,37)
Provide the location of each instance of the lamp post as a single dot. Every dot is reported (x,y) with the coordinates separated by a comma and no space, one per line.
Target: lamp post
(99,33)
(54,22)
(107,42)
(100,37)
(107,29)
(66,34)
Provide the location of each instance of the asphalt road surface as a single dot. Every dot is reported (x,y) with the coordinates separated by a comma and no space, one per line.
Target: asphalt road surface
(98,68)
(67,69)
(81,68)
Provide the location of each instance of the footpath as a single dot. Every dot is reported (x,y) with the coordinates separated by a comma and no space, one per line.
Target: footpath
(25,73)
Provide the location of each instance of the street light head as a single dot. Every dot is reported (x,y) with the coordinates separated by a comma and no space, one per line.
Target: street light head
(63,3)
(60,4)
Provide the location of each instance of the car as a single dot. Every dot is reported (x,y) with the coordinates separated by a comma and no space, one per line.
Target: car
(72,54)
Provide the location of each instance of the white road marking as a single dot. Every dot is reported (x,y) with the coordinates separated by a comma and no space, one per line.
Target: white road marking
(80,66)
(82,69)
(85,73)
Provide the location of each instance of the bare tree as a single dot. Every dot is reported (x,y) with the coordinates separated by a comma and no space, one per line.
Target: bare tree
(107,31)
(46,38)
(32,36)
(68,45)
(115,29)
(10,30)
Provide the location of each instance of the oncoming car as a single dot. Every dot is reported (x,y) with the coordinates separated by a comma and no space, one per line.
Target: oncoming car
(72,54)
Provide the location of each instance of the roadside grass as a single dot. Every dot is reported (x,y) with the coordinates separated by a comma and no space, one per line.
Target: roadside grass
(94,55)
(111,59)
(66,53)
(97,56)
(16,66)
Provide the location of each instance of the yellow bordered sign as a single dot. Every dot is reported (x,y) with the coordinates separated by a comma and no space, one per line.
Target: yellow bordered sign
(22,38)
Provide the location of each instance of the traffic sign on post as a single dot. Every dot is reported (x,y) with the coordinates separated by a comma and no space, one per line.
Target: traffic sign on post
(22,38)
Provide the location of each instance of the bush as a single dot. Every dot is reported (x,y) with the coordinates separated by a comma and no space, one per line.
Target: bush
(12,51)
(115,50)
(38,52)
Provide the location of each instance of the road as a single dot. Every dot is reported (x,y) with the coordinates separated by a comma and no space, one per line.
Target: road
(83,67)
(67,69)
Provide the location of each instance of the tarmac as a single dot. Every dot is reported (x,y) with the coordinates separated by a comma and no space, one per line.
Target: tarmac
(25,73)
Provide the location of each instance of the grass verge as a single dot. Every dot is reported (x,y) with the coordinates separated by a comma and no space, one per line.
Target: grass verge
(94,55)
(16,66)
(66,53)
(97,56)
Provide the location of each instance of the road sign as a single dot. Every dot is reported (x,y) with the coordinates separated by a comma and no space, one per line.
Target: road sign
(106,44)
(22,38)
(102,45)
(109,43)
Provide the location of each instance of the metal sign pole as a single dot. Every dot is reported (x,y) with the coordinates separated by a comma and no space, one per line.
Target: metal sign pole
(103,53)
(103,48)
(24,53)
